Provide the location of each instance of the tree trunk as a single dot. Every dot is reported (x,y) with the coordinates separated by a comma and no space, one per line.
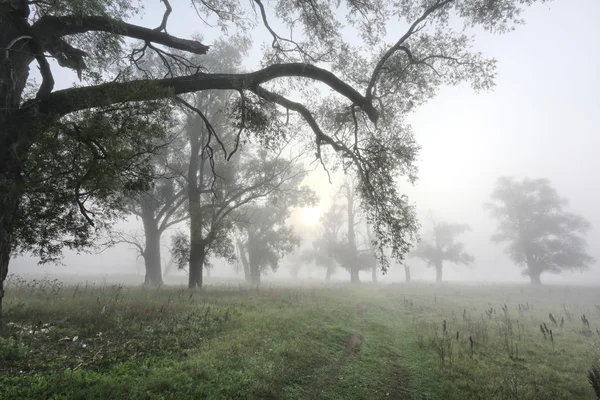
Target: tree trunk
(374,273)
(197,257)
(438,273)
(253,260)
(208,272)
(534,276)
(254,274)
(407,273)
(328,274)
(354,278)
(533,271)
(9,201)
(195,184)
(152,251)
(243,259)
(16,126)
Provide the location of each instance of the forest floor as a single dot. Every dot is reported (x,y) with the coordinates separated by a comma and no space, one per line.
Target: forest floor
(103,341)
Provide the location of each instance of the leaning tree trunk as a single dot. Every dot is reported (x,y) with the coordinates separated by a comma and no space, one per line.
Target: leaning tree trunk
(152,251)
(407,273)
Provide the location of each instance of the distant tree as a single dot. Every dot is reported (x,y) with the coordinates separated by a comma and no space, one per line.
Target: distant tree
(343,247)
(159,208)
(349,253)
(441,246)
(265,237)
(238,183)
(322,251)
(542,236)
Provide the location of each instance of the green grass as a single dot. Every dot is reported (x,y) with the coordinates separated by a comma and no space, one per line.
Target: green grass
(340,342)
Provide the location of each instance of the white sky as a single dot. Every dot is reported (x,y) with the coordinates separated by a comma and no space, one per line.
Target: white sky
(542,120)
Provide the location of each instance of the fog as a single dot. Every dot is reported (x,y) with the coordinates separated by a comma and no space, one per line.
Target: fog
(540,121)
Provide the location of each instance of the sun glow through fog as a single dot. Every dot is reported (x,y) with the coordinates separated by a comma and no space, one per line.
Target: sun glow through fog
(311,215)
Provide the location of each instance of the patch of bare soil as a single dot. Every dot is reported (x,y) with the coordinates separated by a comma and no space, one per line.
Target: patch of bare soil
(353,343)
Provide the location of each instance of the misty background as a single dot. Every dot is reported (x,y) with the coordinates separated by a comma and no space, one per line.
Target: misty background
(541,121)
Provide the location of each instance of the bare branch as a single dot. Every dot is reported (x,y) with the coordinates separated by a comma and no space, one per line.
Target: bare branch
(50,27)
(163,24)
(398,46)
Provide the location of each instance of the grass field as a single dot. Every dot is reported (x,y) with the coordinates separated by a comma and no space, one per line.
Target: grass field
(103,341)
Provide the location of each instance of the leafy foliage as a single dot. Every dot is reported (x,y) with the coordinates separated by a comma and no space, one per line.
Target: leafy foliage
(81,172)
(541,234)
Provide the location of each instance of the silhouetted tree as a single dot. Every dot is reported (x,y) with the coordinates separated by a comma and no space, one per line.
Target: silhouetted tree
(542,236)
(441,246)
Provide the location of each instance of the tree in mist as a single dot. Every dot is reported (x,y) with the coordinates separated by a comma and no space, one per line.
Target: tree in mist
(323,247)
(406,272)
(542,236)
(349,253)
(160,207)
(361,122)
(441,246)
(264,235)
(339,243)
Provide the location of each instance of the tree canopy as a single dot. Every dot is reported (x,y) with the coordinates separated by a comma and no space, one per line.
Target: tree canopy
(540,234)
(441,246)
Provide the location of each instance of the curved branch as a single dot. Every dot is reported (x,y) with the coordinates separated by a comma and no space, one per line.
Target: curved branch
(399,44)
(303,111)
(65,101)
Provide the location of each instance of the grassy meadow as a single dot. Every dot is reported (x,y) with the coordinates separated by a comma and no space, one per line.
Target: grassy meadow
(110,341)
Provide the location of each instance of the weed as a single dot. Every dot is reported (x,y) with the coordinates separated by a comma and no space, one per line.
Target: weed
(594,380)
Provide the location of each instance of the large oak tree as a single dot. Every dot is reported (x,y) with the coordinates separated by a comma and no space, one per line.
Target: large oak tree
(541,235)
(370,85)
